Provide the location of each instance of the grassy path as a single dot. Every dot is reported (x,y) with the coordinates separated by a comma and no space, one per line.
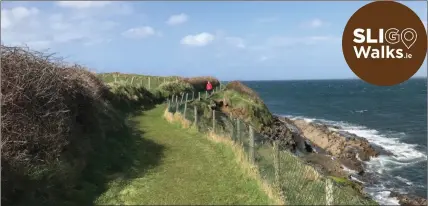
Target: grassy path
(190,170)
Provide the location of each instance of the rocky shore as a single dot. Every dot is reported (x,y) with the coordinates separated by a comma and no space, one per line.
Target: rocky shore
(332,152)
(407,200)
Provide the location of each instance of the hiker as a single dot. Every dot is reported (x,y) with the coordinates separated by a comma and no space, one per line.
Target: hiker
(209,87)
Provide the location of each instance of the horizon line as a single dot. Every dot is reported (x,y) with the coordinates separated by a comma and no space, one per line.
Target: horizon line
(344,78)
(349,78)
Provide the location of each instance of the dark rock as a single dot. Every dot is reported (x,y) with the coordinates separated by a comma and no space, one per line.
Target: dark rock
(408,200)
(308,147)
(349,148)
(353,164)
(278,131)
(325,164)
(213,105)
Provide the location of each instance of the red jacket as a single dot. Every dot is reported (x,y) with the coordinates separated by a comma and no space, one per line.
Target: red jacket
(209,86)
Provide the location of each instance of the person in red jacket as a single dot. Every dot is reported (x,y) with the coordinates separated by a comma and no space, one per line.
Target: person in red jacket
(209,87)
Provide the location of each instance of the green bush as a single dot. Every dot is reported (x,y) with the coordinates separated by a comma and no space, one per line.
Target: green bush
(129,97)
(246,106)
(168,89)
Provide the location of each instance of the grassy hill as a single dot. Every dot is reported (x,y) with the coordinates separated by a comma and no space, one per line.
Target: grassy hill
(72,137)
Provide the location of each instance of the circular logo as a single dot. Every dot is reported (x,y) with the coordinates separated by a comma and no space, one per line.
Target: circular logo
(384,43)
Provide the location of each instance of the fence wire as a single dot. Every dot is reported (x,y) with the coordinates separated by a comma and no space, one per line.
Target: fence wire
(149,82)
(298,182)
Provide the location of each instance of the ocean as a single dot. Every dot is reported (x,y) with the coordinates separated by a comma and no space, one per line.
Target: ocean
(394,118)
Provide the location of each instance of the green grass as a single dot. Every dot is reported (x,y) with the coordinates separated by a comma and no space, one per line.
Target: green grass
(191,170)
(250,110)
(136,79)
(301,185)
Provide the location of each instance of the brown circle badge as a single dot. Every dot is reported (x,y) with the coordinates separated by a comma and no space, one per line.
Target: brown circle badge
(384,43)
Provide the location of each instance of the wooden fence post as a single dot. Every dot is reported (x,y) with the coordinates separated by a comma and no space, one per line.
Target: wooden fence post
(206,94)
(329,191)
(251,152)
(196,115)
(238,130)
(185,107)
(193,95)
(214,121)
(276,163)
(149,83)
(115,78)
(233,130)
(182,96)
(169,103)
(199,96)
(176,103)
(132,80)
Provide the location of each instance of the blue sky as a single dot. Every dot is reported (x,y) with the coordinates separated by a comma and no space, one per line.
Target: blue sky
(229,40)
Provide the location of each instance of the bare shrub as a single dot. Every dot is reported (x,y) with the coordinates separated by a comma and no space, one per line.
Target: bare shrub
(46,106)
(168,89)
(199,83)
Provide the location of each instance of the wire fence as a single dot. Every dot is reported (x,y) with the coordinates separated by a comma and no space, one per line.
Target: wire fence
(296,181)
(149,82)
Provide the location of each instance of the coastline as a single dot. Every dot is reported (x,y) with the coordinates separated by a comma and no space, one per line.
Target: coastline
(364,157)
(343,154)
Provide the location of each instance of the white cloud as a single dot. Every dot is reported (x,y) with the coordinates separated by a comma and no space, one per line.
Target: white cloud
(16,15)
(39,29)
(22,12)
(315,23)
(139,32)
(201,39)
(83,4)
(236,41)
(177,19)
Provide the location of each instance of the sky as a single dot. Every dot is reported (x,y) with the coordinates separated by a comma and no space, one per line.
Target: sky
(229,40)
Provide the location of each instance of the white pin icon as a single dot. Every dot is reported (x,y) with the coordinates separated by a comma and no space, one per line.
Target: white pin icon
(408,37)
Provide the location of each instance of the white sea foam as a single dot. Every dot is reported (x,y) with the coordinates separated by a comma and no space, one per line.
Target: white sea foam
(381,195)
(350,171)
(361,111)
(408,182)
(401,151)
(356,179)
(403,154)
